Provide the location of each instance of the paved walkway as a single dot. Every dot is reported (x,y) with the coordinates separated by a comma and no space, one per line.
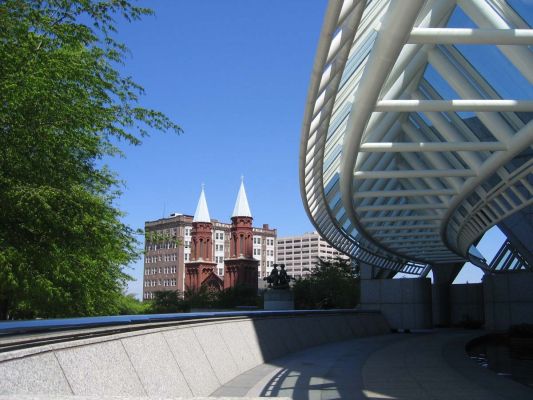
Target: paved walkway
(400,366)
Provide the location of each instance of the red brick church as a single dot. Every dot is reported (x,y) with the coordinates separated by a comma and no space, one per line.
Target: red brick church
(240,268)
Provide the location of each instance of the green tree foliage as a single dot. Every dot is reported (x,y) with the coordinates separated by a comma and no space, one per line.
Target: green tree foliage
(204,298)
(170,301)
(128,304)
(332,284)
(63,105)
(240,295)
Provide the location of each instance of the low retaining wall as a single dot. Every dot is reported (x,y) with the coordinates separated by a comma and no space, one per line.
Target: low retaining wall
(466,304)
(508,299)
(405,303)
(185,360)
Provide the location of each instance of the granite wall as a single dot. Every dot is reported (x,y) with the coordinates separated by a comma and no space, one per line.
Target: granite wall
(466,304)
(405,303)
(185,360)
(508,299)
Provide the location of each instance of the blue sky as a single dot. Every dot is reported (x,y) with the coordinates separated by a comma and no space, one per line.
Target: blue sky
(234,74)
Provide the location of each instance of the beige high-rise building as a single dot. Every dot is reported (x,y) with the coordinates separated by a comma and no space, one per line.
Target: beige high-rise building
(300,253)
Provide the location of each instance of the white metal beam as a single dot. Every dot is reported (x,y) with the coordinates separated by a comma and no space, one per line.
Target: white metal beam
(401,218)
(476,105)
(471,36)
(394,227)
(429,173)
(393,147)
(404,193)
(399,207)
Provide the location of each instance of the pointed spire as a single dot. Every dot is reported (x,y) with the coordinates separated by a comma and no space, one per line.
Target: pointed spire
(241,209)
(202,213)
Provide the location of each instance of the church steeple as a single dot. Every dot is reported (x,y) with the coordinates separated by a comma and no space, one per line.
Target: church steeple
(241,267)
(200,270)
(202,213)
(241,209)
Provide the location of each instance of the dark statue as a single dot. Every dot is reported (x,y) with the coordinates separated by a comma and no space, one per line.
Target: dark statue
(278,279)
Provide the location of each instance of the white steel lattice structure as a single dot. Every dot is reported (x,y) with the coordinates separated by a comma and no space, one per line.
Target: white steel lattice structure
(408,152)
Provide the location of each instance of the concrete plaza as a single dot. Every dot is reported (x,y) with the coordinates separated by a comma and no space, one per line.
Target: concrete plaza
(430,365)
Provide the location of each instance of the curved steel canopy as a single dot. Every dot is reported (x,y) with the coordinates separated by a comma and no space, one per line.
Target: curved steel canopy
(393,171)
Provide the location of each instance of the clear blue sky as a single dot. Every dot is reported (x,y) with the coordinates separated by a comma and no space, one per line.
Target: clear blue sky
(234,74)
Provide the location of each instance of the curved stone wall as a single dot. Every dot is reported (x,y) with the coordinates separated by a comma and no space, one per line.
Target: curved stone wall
(186,360)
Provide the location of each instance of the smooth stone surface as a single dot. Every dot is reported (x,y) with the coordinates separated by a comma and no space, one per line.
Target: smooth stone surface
(64,397)
(217,351)
(38,374)
(192,361)
(238,347)
(508,299)
(278,299)
(250,337)
(381,367)
(405,303)
(156,367)
(88,370)
(356,325)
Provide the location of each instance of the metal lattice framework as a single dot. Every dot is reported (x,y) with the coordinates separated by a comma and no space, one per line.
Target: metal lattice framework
(394,172)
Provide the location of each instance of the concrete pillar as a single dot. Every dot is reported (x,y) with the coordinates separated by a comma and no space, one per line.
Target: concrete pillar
(443,276)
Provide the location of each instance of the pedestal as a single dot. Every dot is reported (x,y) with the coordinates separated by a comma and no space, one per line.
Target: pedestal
(279,299)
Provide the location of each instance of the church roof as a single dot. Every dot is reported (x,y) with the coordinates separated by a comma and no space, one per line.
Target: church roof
(202,213)
(241,209)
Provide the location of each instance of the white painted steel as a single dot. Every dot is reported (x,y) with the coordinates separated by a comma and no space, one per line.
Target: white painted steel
(454,105)
(471,36)
(384,156)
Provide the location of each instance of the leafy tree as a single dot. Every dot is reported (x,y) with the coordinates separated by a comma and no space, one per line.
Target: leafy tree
(332,284)
(203,297)
(128,304)
(63,105)
(169,301)
(240,295)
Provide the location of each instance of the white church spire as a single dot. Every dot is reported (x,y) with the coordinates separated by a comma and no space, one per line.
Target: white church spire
(241,209)
(202,213)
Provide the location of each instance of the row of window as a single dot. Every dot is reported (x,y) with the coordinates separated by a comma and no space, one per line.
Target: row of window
(289,241)
(160,282)
(161,246)
(159,270)
(219,259)
(163,257)
(219,235)
(219,247)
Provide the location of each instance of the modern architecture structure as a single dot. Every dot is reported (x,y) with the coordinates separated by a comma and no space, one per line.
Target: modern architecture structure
(417,133)
(300,254)
(169,246)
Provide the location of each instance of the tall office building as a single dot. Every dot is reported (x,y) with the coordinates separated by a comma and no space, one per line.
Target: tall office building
(168,248)
(300,254)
